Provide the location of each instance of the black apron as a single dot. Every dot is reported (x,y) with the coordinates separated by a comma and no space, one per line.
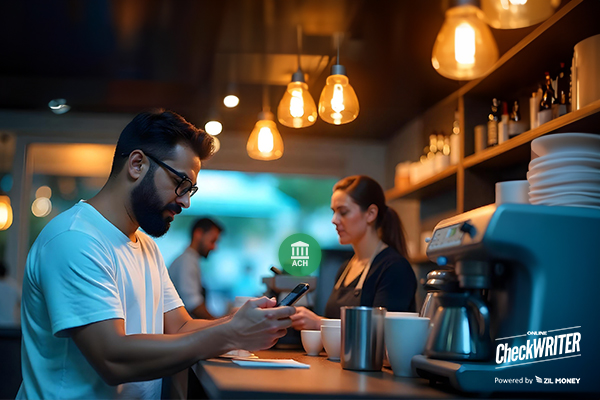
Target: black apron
(348,296)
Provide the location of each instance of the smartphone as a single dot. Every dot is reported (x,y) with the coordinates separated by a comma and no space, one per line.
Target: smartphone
(294,296)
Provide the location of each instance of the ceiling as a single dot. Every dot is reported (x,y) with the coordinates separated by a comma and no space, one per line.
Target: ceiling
(129,55)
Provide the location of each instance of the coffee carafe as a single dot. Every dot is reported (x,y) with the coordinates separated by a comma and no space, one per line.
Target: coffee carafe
(460,329)
(437,280)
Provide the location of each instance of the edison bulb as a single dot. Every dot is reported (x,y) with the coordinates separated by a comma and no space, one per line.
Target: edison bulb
(512,14)
(297,109)
(265,142)
(338,103)
(464,48)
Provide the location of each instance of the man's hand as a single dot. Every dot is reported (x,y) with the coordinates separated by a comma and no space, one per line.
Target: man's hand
(257,325)
(305,319)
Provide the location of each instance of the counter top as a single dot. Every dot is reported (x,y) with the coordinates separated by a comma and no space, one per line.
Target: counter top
(220,378)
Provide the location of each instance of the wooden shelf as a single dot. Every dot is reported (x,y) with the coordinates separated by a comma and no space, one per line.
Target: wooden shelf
(436,183)
(518,149)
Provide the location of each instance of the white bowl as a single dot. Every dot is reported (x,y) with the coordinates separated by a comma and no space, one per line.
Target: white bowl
(332,341)
(561,170)
(559,191)
(590,179)
(566,142)
(575,172)
(546,164)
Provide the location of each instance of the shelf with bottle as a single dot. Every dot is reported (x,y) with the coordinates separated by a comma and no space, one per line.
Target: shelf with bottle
(517,149)
(549,44)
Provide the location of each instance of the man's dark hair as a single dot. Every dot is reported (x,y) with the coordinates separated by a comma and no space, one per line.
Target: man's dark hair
(157,133)
(205,224)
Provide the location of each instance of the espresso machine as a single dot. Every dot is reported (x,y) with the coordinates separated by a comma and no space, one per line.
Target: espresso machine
(534,272)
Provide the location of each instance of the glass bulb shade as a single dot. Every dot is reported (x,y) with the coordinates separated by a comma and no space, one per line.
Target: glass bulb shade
(6,214)
(231,101)
(297,109)
(338,103)
(265,142)
(513,14)
(465,47)
(213,127)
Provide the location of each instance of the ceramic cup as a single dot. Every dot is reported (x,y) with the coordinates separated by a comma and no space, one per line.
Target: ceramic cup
(332,341)
(311,341)
(512,192)
(331,322)
(405,337)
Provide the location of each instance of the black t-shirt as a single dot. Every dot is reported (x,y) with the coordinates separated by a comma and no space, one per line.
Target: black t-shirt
(390,283)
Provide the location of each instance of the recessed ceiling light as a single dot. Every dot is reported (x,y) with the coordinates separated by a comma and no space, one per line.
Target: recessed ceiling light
(231,101)
(213,127)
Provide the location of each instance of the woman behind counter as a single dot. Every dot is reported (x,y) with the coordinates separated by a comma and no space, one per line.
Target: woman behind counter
(378,275)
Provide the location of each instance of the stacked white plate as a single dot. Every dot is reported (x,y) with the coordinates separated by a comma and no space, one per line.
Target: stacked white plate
(566,171)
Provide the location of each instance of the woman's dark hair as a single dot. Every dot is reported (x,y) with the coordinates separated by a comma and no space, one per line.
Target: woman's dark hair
(157,133)
(366,191)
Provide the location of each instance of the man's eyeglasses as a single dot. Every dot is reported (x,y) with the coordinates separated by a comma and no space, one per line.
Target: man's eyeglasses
(185,184)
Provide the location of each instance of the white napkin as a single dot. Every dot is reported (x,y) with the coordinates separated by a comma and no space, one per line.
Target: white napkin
(275,363)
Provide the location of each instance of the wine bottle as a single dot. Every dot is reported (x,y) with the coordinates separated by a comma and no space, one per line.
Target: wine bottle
(503,124)
(492,125)
(455,140)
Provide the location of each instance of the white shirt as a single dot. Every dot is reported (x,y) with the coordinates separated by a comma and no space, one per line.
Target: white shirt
(185,274)
(10,301)
(82,269)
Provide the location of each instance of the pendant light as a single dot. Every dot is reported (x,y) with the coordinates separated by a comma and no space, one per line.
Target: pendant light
(265,142)
(513,14)
(297,108)
(338,103)
(464,48)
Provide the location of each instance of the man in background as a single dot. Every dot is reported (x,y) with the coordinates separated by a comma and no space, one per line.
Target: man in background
(185,270)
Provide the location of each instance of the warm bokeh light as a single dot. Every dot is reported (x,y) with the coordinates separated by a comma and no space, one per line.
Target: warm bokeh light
(213,127)
(513,14)
(464,48)
(6,214)
(265,142)
(216,144)
(231,101)
(41,207)
(297,109)
(43,191)
(338,103)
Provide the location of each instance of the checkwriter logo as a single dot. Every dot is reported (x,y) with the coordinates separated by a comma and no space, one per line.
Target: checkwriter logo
(300,254)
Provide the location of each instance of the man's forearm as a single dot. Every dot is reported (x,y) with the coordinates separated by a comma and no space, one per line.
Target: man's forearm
(198,324)
(140,357)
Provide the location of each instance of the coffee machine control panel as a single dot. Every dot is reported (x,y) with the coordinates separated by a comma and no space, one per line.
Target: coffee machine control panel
(459,234)
(449,236)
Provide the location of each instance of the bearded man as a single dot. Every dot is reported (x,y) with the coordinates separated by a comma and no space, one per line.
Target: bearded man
(100,316)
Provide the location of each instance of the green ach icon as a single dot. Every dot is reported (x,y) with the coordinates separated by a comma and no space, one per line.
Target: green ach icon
(300,254)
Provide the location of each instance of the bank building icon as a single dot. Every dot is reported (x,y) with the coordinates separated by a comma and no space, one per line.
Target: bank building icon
(299,251)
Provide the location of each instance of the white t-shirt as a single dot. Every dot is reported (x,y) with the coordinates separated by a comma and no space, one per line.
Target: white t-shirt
(185,274)
(82,269)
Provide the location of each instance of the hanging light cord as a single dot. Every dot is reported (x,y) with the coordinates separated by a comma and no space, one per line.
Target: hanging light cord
(299,34)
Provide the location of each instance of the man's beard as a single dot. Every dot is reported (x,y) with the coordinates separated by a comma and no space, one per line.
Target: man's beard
(202,250)
(148,208)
